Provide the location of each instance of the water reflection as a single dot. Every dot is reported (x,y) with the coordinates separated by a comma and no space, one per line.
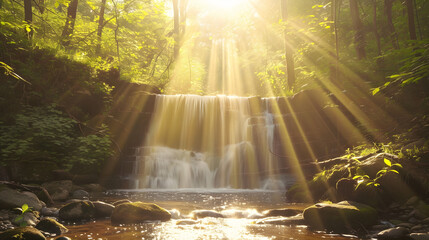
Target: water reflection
(240,209)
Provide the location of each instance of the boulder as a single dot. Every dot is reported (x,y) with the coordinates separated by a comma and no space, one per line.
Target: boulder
(59,190)
(23,233)
(121,201)
(93,187)
(10,198)
(75,211)
(63,238)
(103,209)
(51,226)
(283,212)
(80,194)
(398,233)
(419,236)
(206,213)
(395,188)
(375,163)
(340,217)
(138,212)
(51,212)
(290,221)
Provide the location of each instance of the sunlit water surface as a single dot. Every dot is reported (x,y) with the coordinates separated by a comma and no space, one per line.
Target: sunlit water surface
(248,203)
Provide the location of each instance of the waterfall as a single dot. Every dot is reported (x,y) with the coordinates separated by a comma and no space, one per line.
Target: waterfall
(206,142)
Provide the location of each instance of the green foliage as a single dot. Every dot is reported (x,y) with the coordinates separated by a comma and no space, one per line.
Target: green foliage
(24,209)
(46,133)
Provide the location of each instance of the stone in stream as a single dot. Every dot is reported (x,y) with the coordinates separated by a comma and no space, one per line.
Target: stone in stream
(76,211)
(290,221)
(22,233)
(103,209)
(51,226)
(419,236)
(340,217)
(138,212)
(398,233)
(10,198)
(206,213)
(59,190)
(121,201)
(283,212)
(80,194)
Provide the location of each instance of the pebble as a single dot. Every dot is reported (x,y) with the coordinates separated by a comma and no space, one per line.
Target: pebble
(419,236)
(416,228)
(425,221)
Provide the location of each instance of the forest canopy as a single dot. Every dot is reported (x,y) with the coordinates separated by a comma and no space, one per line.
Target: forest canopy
(241,47)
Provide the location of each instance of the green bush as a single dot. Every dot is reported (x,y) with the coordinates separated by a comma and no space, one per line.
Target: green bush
(45,133)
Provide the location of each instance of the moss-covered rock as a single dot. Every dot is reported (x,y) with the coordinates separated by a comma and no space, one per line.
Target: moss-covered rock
(340,217)
(76,211)
(138,212)
(23,233)
(51,226)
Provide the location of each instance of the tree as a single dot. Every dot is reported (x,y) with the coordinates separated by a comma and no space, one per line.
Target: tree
(28,17)
(290,66)
(100,25)
(391,32)
(411,23)
(359,39)
(179,11)
(375,26)
(70,21)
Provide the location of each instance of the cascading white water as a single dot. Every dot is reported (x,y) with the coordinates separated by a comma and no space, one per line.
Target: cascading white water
(206,142)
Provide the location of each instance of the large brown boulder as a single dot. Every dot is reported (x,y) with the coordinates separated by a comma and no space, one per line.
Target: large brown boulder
(340,217)
(22,233)
(138,212)
(10,198)
(76,211)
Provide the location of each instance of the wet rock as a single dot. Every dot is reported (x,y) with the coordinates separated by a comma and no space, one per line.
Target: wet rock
(51,226)
(120,202)
(27,219)
(375,163)
(49,212)
(405,225)
(398,233)
(419,236)
(80,194)
(6,225)
(395,188)
(175,214)
(380,227)
(206,213)
(59,190)
(138,212)
(340,217)
(416,228)
(425,221)
(93,187)
(412,201)
(103,209)
(283,212)
(12,198)
(63,238)
(290,221)
(82,210)
(186,222)
(23,233)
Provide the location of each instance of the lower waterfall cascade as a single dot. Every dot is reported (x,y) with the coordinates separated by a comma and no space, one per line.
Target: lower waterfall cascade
(210,142)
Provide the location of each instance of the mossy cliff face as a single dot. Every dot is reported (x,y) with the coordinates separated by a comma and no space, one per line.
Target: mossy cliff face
(137,212)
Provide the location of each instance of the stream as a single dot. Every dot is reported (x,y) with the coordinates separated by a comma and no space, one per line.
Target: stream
(241,208)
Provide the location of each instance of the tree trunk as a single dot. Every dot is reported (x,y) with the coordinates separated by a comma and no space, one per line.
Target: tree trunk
(411,23)
(70,21)
(176,30)
(100,26)
(28,17)
(388,4)
(359,31)
(375,26)
(290,68)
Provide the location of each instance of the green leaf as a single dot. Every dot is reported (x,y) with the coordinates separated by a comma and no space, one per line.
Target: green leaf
(392,170)
(375,91)
(397,164)
(387,162)
(24,208)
